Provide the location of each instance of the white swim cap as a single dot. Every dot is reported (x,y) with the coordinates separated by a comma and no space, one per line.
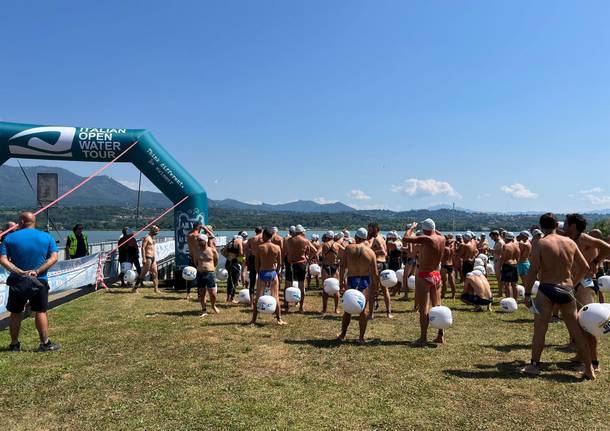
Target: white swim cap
(329,234)
(338,235)
(346,233)
(466,237)
(525,234)
(299,229)
(244,234)
(202,237)
(536,232)
(315,236)
(509,235)
(362,233)
(391,234)
(275,229)
(291,229)
(428,225)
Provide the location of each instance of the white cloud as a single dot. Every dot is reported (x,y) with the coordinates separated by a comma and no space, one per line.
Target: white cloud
(597,200)
(133,185)
(255,202)
(323,201)
(215,181)
(519,191)
(591,191)
(432,187)
(358,195)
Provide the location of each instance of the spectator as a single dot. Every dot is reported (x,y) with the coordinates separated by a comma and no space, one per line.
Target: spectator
(77,244)
(129,251)
(28,254)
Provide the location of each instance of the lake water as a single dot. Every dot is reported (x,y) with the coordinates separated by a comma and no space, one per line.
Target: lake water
(96,236)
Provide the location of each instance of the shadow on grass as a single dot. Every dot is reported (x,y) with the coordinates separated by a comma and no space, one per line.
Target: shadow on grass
(183,313)
(511,347)
(119,291)
(165,298)
(509,371)
(520,321)
(334,343)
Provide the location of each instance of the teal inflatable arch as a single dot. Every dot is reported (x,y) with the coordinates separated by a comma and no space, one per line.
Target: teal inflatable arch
(89,144)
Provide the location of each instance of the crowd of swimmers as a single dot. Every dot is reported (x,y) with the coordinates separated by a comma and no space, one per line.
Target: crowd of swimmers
(561,258)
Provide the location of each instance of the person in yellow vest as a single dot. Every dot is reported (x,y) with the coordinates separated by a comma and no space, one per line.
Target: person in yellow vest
(77,244)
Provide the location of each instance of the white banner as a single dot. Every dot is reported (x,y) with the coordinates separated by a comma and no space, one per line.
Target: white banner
(75,273)
(64,275)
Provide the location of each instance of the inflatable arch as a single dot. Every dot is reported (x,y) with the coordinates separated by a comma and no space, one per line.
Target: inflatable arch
(89,144)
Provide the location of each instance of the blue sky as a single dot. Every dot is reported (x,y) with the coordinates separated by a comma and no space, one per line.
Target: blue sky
(499,106)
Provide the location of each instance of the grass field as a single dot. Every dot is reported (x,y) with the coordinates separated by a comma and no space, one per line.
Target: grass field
(150,362)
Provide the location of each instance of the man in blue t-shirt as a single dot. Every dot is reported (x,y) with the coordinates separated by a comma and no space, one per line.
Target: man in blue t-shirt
(28,254)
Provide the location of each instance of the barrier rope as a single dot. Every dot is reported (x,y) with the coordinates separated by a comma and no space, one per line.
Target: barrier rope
(76,187)
(107,256)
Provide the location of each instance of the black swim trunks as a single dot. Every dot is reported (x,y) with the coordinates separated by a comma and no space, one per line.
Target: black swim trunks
(330,269)
(287,271)
(382,266)
(205,280)
(471,298)
(299,272)
(467,266)
(448,268)
(509,273)
(556,293)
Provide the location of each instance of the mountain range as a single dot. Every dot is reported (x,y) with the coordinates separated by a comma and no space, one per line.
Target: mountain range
(106,191)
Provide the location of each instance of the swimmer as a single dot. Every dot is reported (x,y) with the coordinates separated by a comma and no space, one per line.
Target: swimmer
(394,257)
(206,261)
(150,261)
(359,265)
(233,252)
(594,251)
(329,260)
(379,247)
(467,252)
(553,260)
(525,249)
(268,262)
(313,258)
(482,244)
(477,291)
(298,252)
(509,274)
(250,249)
(447,267)
(193,246)
(428,279)
(497,255)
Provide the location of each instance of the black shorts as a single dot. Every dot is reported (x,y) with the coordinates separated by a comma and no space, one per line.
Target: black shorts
(471,298)
(287,271)
(330,270)
(382,266)
(557,294)
(448,268)
(251,263)
(38,303)
(467,266)
(299,271)
(509,273)
(205,279)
